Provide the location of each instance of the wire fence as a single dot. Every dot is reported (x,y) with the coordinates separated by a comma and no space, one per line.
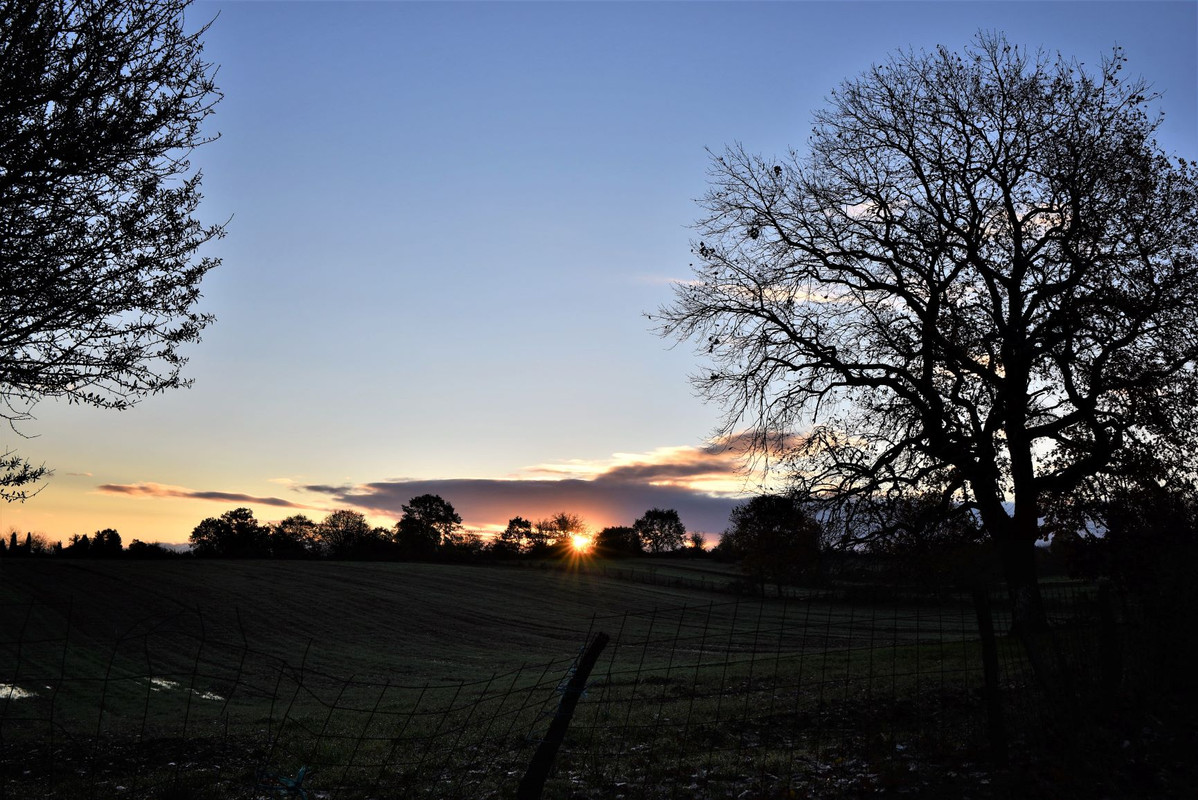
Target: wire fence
(834,692)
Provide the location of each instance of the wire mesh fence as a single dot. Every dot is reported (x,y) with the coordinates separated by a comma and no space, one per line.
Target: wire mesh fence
(830,692)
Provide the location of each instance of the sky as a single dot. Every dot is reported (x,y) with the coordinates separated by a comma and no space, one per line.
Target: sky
(447,222)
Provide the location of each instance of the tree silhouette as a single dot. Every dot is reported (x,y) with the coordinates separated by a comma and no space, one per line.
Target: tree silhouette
(80,546)
(234,534)
(106,544)
(618,540)
(774,538)
(555,532)
(661,530)
(294,537)
(102,103)
(979,284)
(345,534)
(426,521)
(515,538)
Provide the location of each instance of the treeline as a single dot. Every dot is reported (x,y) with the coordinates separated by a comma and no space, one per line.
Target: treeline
(102,544)
(775,540)
(429,529)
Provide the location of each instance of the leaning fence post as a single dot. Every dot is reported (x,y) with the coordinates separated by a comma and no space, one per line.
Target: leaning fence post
(533,782)
(996,727)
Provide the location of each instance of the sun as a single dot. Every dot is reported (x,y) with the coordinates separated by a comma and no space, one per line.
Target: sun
(580,543)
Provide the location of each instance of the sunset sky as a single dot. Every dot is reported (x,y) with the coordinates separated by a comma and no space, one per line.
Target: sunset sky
(446,224)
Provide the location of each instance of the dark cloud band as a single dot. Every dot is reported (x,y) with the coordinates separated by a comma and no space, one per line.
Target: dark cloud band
(482,501)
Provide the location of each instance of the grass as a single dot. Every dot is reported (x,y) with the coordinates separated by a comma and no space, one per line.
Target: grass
(438,678)
(427,621)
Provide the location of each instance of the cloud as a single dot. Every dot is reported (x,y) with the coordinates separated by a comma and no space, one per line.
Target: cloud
(489,503)
(717,468)
(665,280)
(162,490)
(702,483)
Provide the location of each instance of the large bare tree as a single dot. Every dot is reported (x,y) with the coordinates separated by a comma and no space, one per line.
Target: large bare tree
(101,103)
(978,284)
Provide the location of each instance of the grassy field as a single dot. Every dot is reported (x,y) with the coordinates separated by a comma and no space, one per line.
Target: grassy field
(400,675)
(427,621)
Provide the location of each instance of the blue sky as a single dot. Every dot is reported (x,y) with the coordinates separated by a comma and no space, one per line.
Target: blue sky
(447,221)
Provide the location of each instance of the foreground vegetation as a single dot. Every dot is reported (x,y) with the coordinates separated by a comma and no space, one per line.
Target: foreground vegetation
(421,679)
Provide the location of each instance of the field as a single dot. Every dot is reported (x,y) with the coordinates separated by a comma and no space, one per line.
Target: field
(419,621)
(440,680)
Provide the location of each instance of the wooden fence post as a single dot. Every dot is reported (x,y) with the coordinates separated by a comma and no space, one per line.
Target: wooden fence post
(533,782)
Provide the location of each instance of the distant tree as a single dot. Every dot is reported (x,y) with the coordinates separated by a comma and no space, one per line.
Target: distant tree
(774,539)
(696,542)
(925,540)
(103,102)
(426,521)
(210,539)
(79,546)
(12,541)
(36,544)
(567,525)
(661,530)
(618,540)
(294,537)
(556,532)
(346,534)
(139,549)
(106,544)
(515,538)
(235,534)
(544,536)
(980,281)
(461,546)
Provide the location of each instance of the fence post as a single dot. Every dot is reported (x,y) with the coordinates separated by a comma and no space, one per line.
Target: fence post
(533,782)
(995,725)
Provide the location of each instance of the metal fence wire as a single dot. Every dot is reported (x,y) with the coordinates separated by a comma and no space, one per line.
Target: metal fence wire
(826,693)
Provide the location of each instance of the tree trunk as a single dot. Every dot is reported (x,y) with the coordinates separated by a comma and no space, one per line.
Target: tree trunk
(1018,555)
(1029,620)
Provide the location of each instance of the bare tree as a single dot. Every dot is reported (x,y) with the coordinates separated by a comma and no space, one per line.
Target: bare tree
(345,534)
(102,103)
(979,285)
(556,530)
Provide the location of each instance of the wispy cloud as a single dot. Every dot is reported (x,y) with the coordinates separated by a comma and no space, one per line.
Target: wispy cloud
(666,280)
(163,490)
